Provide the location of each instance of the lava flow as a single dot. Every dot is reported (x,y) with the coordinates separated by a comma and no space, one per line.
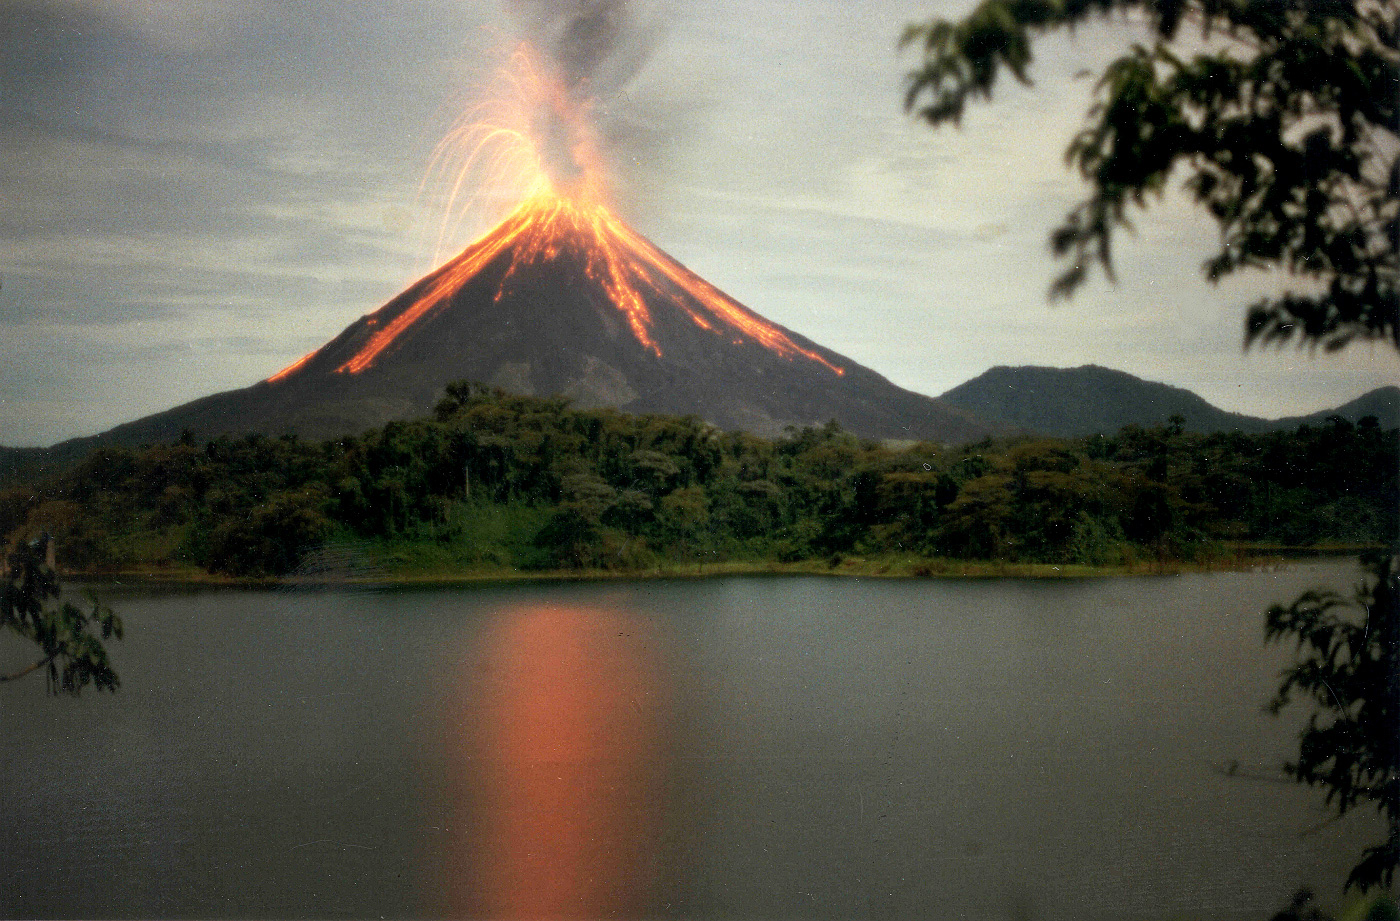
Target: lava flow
(533,138)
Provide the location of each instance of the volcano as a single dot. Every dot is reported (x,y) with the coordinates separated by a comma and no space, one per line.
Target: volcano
(563,298)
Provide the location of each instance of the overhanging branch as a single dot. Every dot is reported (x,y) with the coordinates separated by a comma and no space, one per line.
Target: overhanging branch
(24,671)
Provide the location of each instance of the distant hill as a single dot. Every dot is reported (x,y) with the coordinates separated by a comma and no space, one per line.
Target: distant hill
(26,464)
(1383,403)
(1072,402)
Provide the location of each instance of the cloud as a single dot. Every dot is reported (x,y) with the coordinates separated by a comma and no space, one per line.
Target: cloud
(188,26)
(194,194)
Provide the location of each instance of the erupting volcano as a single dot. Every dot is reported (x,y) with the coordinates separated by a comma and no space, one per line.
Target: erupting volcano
(562,297)
(553,246)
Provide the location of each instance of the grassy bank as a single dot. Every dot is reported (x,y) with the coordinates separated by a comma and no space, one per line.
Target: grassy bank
(406,564)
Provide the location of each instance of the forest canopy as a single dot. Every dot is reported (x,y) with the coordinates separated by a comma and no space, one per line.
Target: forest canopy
(496,481)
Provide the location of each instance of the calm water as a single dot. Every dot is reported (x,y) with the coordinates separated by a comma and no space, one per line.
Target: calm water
(735,748)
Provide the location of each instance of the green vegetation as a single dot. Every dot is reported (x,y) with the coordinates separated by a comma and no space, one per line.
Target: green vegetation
(71,655)
(1281,119)
(1348,666)
(497,484)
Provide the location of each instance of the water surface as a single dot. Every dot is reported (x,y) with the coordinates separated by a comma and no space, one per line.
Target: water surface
(728,748)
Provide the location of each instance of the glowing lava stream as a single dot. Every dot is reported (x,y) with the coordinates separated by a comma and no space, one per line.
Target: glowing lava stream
(499,140)
(624,263)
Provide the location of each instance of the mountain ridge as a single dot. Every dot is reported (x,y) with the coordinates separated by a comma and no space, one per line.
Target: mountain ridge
(562,298)
(1091,399)
(345,413)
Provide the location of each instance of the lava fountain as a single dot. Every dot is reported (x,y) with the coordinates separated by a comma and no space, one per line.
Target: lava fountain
(532,139)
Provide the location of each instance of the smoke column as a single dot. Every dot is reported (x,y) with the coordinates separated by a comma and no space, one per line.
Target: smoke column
(597,49)
(596,46)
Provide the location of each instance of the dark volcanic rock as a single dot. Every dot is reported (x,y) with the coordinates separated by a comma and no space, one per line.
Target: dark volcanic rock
(568,301)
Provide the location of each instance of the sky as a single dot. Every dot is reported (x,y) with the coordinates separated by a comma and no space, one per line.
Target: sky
(194,194)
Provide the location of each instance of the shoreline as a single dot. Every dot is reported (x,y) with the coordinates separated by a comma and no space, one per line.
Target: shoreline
(850,567)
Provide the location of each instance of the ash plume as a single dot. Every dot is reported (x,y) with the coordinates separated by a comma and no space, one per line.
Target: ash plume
(599,49)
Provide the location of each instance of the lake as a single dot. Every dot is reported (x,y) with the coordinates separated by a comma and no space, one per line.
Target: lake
(725,748)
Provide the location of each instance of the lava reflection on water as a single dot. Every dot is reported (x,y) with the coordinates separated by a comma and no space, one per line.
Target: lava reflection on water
(555,793)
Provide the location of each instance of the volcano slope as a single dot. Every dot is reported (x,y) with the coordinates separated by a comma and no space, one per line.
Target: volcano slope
(563,298)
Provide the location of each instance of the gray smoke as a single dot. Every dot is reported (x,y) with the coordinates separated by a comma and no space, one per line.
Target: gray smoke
(589,38)
(598,48)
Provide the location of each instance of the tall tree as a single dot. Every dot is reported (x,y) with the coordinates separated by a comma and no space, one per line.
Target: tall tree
(1282,116)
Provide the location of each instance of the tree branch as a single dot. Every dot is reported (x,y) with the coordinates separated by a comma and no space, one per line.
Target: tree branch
(24,671)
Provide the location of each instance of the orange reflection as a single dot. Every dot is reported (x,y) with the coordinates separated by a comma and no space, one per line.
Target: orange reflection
(555,799)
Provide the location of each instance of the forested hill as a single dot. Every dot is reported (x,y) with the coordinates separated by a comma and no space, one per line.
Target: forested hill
(1383,403)
(1073,402)
(496,483)
(1063,402)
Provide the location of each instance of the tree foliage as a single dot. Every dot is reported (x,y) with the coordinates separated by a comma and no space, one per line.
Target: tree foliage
(525,482)
(1347,666)
(1283,117)
(72,653)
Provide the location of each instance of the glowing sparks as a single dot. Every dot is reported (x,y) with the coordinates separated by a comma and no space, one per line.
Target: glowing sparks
(527,137)
(531,140)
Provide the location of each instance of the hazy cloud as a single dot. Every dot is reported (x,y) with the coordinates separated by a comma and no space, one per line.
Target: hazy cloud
(194,194)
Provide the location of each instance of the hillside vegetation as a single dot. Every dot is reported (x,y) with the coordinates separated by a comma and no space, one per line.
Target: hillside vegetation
(500,483)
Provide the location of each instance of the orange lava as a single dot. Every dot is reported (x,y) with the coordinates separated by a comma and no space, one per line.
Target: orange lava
(556,785)
(625,264)
(530,138)
(293,367)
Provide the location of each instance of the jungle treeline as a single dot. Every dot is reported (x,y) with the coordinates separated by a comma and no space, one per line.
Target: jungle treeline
(496,482)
